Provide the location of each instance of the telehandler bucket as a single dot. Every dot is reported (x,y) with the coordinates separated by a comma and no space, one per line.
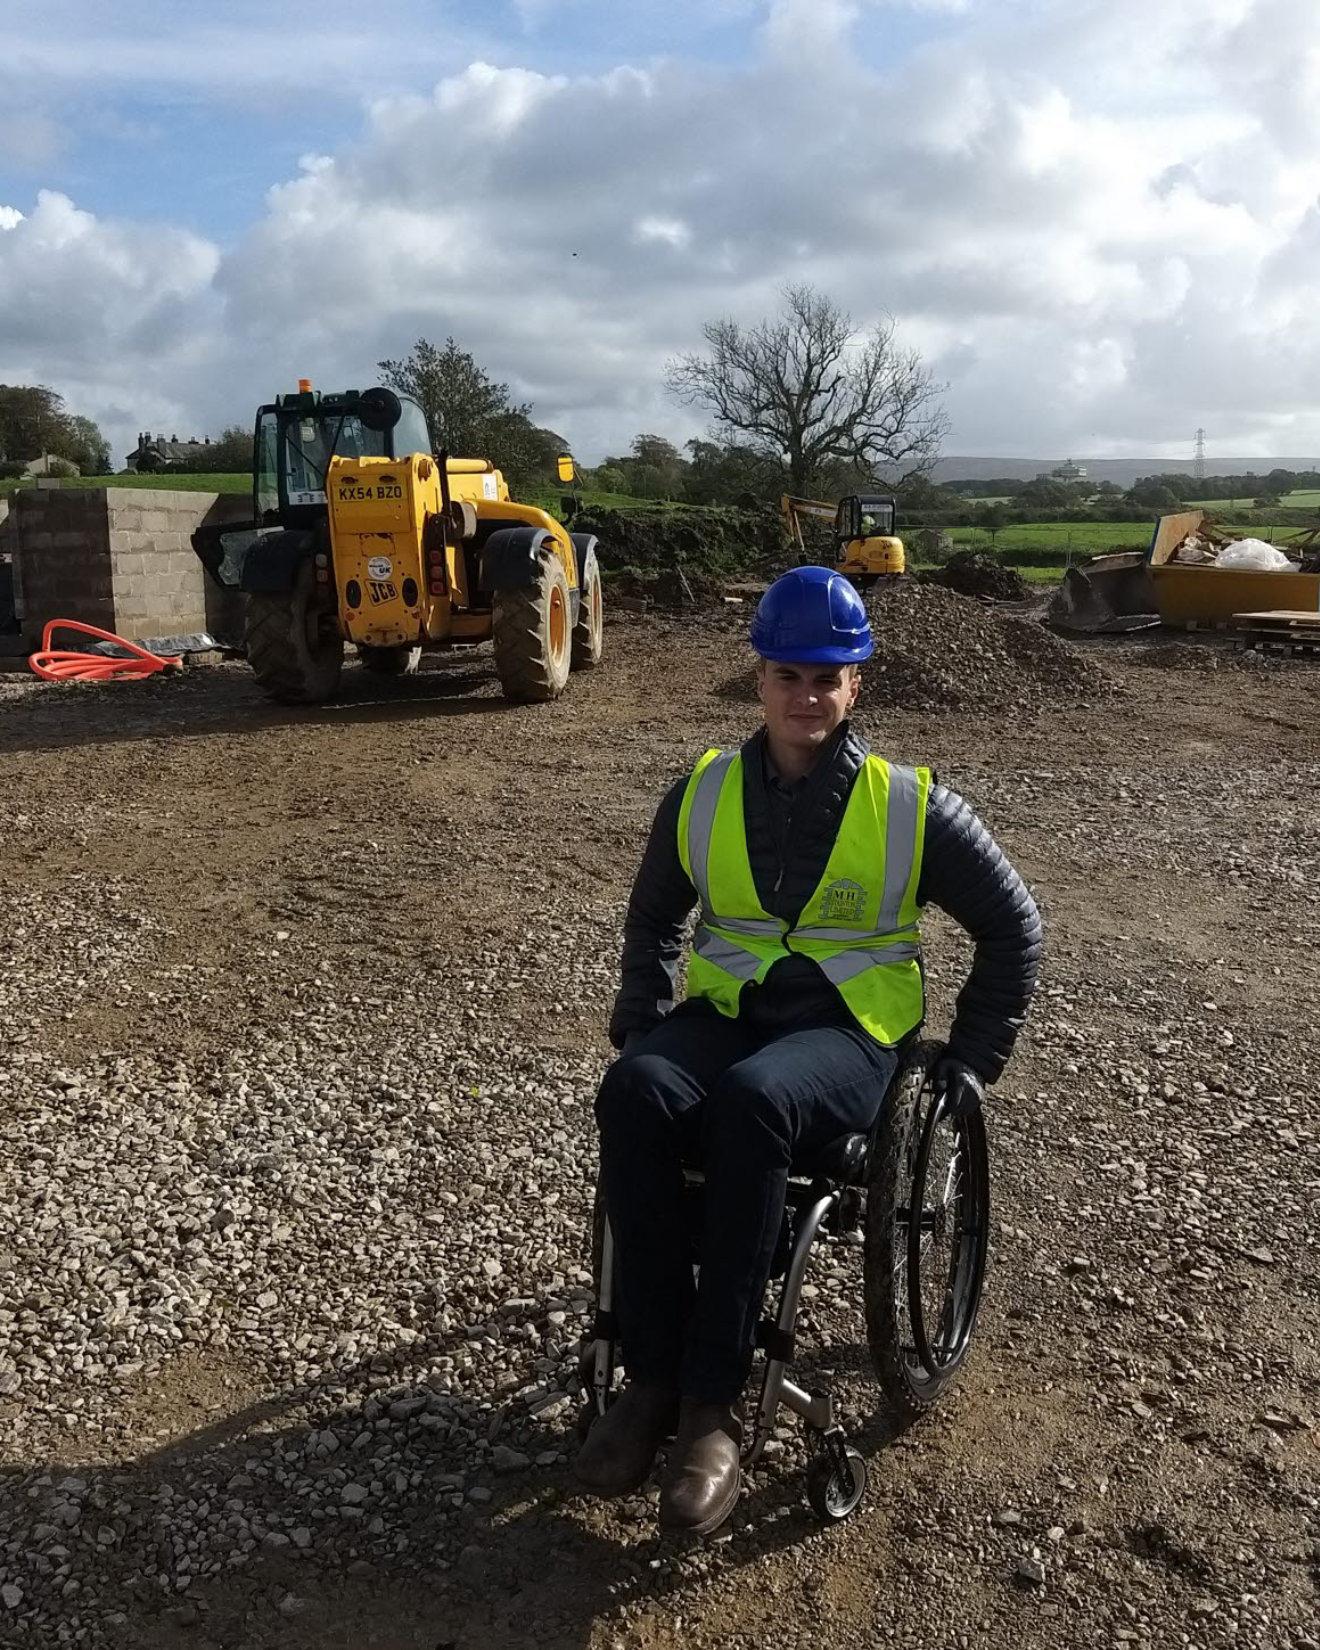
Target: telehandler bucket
(1108,594)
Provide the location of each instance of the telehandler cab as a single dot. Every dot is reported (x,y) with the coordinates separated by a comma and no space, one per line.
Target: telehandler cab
(360,534)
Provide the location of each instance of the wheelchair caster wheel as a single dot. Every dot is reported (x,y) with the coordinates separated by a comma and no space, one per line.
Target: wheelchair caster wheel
(836,1483)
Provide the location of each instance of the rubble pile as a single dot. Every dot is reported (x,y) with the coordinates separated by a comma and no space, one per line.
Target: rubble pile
(938,650)
(974,573)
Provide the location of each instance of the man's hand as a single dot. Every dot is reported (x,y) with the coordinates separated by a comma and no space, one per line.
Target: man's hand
(963,1089)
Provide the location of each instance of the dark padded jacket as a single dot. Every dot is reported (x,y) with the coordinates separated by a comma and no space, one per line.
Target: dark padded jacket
(790,831)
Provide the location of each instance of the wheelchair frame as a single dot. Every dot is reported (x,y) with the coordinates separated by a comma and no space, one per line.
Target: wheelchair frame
(838,1194)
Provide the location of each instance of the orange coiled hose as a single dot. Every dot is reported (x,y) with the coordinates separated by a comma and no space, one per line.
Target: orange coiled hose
(67,666)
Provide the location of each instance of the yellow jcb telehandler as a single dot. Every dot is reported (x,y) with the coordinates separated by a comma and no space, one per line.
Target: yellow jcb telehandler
(865,547)
(362,534)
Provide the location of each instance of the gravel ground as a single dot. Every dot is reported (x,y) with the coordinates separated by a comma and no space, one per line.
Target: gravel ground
(303,1017)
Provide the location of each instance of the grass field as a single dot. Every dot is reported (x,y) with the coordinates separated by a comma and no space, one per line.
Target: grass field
(215,483)
(1303,499)
(1087,538)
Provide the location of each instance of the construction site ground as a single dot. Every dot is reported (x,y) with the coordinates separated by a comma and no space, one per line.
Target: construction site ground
(303,1012)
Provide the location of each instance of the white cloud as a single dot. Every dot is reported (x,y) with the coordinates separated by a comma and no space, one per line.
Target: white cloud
(1098,246)
(667,231)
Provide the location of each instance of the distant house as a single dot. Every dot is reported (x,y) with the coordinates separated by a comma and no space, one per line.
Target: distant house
(1068,471)
(931,545)
(51,464)
(154,453)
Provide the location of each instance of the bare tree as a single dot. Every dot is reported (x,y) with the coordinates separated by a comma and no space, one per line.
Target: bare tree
(807,390)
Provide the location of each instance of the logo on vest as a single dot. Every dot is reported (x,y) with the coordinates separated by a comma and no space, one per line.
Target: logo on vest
(843,902)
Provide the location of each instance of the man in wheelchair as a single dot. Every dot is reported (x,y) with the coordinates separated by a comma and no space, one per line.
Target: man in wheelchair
(811,860)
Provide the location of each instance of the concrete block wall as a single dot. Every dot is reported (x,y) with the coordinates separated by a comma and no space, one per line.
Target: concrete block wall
(120,558)
(159,586)
(61,557)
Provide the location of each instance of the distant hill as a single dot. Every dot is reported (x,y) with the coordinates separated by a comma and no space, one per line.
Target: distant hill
(1122,471)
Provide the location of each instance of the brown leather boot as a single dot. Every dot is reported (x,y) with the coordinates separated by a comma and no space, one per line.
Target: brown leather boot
(621,1447)
(701,1483)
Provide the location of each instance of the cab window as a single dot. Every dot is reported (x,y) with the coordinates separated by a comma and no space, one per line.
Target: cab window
(410,433)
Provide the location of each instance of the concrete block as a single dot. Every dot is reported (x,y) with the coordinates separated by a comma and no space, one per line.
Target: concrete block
(156,521)
(73,539)
(125,519)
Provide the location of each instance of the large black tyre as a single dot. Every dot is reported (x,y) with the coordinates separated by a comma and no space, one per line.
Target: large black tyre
(390,661)
(588,632)
(530,629)
(916,1351)
(293,655)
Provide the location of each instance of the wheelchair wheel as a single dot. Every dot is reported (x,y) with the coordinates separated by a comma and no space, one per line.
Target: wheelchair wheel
(835,1487)
(927,1226)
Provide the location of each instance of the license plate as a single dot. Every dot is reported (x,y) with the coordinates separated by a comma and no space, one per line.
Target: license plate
(382,593)
(361,493)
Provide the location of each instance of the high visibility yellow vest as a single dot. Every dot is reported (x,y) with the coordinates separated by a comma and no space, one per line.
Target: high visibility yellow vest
(862,924)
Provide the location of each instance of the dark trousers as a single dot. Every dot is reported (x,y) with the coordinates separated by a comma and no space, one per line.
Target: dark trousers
(741,1103)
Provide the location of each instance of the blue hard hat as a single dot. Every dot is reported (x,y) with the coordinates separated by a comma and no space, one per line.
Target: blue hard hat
(812,616)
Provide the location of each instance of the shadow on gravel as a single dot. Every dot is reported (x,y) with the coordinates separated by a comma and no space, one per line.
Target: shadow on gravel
(225,700)
(525,1560)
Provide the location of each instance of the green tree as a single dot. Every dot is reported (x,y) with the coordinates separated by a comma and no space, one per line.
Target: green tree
(86,447)
(1044,493)
(805,388)
(32,421)
(656,450)
(524,451)
(1153,493)
(460,400)
(609,478)
(919,492)
(648,481)
(727,472)
(991,519)
(231,453)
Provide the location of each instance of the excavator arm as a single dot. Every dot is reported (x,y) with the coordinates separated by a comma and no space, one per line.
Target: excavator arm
(793,509)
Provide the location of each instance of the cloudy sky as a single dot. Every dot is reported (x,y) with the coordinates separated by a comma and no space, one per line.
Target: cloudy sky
(1098,219)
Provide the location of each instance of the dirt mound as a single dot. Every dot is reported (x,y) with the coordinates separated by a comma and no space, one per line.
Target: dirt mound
(670,586)
(1193,656)
(937,650)
(973,573)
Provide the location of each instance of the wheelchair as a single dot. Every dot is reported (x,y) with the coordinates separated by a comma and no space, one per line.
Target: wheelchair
(916,1192)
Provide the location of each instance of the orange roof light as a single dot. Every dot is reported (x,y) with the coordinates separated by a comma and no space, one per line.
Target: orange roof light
(304,386)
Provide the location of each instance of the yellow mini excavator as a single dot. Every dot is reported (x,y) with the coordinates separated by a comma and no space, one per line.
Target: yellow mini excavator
(362,534)
(865,548)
